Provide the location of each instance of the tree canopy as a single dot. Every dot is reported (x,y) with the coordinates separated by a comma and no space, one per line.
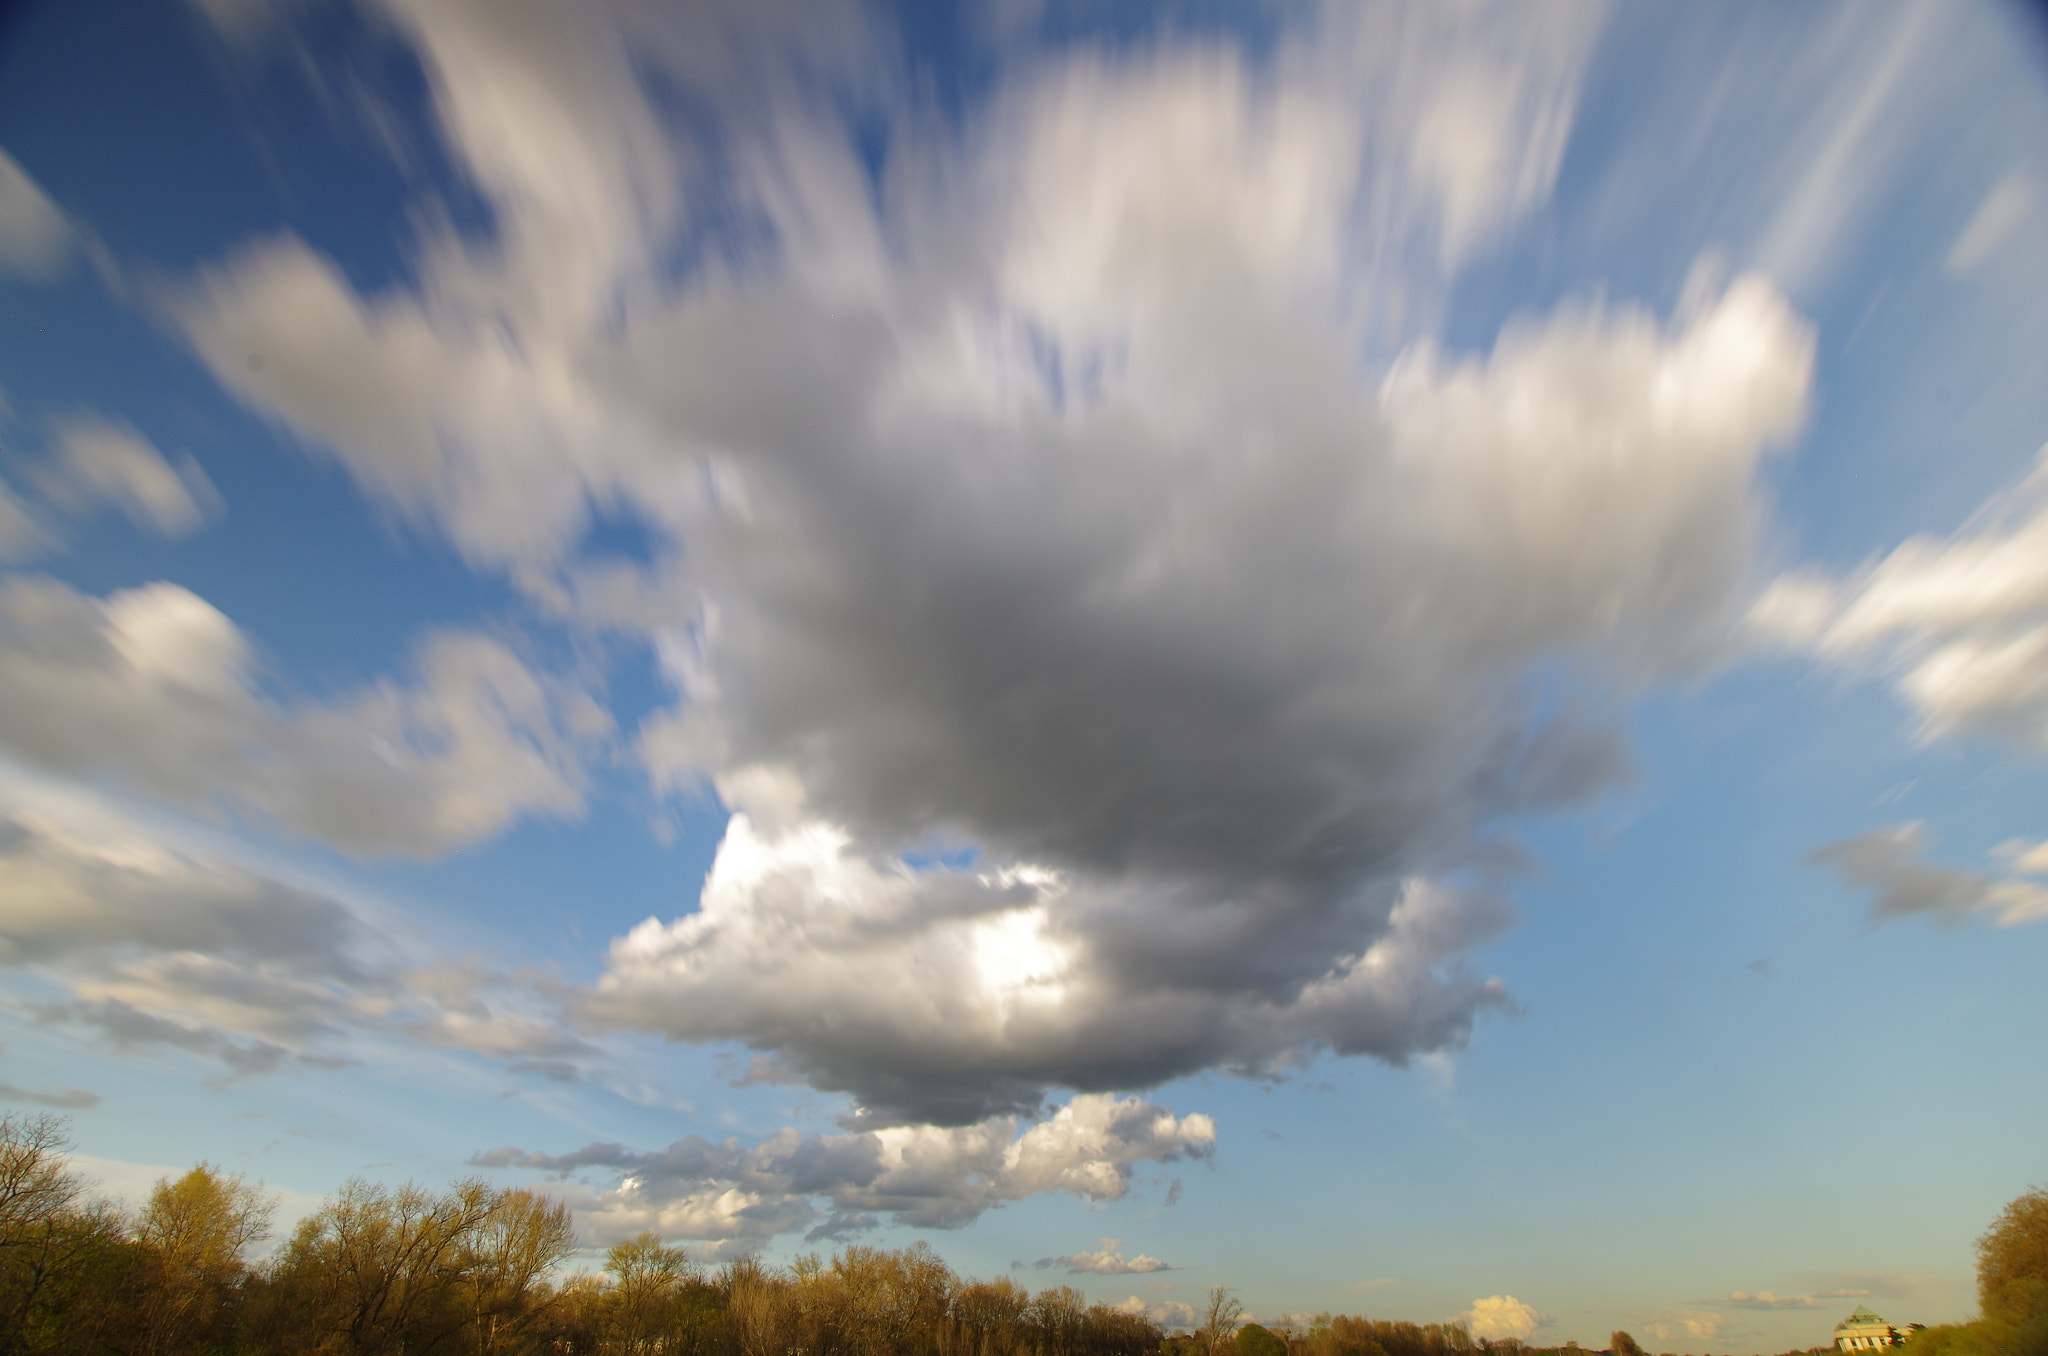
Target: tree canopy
(2012,1261)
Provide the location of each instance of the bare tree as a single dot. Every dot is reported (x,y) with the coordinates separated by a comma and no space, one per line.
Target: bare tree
(504,1258)
(757,1307)
(1057,1312)
(1219,1324)
(647,1279)
(63,1259)
(380,1270)
(990,1315)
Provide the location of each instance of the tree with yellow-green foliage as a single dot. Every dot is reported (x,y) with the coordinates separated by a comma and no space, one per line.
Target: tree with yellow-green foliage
(195,1231)
(2012,1289)
(2012,1261)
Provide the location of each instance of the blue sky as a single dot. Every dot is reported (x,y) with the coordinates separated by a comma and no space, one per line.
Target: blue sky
(1393,656)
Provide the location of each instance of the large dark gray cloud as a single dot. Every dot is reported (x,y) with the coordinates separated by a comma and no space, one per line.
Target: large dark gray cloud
(1126,642)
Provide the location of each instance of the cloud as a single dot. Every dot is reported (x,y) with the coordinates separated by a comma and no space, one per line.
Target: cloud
(1503,1316)
(1104,1261)
(1269,714)
(98,462)
(242,20)
(1843,145)
(20,535)
(71,1099)
(1886,863)
(1043,515)
(1928,1287)
(1959,626)
(1764,1299)
(2004,210)
(160,948)
(953,991)
(1677,1324)
(157,687)
(925,1176)
(157,947)
(35,240)
(1166,1313)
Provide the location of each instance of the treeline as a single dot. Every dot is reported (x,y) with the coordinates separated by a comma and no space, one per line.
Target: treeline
(473,1271)
(1344,1335)
(468,1271)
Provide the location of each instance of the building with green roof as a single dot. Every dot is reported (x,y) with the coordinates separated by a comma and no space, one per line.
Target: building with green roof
(1866,1331)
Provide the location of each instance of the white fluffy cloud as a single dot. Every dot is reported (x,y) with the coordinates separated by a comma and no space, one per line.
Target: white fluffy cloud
(155,686)
(1502,1316)
(741,1195)
(1028,503)
(935,994)
(1104,1260)
(1959,625)
(1166,1313)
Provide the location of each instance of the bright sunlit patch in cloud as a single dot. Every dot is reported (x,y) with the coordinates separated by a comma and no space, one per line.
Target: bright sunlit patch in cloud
(1016,959)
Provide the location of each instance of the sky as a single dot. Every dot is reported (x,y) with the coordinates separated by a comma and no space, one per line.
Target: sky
(1394,656)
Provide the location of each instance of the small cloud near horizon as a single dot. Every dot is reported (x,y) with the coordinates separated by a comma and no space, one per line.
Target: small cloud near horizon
(1104,1261)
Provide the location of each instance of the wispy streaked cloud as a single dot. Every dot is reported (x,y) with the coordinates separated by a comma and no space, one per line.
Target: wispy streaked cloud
(35,239)
(1886,863)
(1764,1299)
(156,947)
(1958,625)
(737,1196)
(70,1099)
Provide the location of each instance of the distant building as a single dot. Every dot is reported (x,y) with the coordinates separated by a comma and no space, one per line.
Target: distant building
(1865,1331)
